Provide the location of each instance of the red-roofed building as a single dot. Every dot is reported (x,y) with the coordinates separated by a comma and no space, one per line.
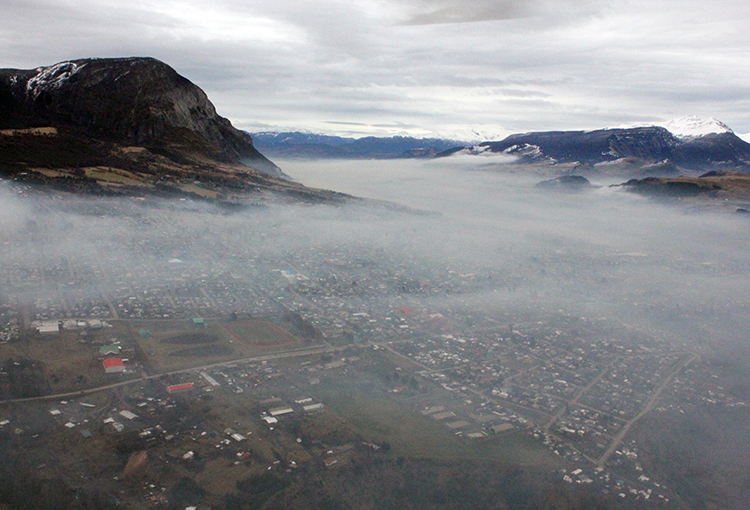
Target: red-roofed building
(175,388)
(407,311)
(113,365)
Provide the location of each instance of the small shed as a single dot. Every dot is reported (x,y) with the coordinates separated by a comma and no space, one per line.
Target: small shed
(127,414)
(49,328)
(113,365)
(106,350)
(176,388)
(278,411)
(503,427)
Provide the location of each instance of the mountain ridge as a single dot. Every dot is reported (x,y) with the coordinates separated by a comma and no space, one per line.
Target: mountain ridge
(630,146)
(298,144)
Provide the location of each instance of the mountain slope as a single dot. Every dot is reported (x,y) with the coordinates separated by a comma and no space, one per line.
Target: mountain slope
(593,147)
(128,101)
(695,145)
(725,188)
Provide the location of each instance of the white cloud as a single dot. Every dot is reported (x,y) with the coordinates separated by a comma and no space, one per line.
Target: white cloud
(430,65)
(220,23)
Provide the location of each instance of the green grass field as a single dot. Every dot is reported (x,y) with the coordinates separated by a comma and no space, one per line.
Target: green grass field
(380,418)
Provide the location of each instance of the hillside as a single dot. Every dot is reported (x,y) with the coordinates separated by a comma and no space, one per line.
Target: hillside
(728,187)
(114,125)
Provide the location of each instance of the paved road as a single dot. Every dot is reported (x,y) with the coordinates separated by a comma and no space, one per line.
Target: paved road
(575,400)
(305,351)
(618,439)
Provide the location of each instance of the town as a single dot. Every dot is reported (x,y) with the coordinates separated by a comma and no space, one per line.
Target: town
(223,343)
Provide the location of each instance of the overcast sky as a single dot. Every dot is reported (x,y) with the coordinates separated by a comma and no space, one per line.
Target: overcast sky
(383,67)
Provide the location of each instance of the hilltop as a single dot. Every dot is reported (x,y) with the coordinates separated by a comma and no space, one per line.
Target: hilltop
(727,188)
(115,125)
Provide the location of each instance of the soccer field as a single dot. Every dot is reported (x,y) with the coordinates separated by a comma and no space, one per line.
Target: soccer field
(258,333)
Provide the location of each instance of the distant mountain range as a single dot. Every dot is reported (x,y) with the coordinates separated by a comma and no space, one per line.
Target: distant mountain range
(297,144)
(688,144)
(685,144)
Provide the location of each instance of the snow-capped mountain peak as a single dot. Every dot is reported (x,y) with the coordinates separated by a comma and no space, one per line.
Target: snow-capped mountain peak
(693,127)
(468,134)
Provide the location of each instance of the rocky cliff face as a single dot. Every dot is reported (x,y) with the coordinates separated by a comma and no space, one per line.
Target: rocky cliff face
(132,101)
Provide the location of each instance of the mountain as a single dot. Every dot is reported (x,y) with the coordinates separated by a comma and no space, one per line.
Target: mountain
(137,101)
(692,144)
(296,144)
(106,125)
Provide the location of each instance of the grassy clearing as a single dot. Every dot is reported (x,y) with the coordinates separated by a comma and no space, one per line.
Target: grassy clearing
(38,131)
(103,175)
(115,175)
(69,364)
(192,188)
(50,173)
(379,418)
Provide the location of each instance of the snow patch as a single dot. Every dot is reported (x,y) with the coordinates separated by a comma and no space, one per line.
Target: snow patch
(613,153)
(475,150)
(475,154)
(50,78)
(685,128)
(628,125)
(693,127)
(524,150)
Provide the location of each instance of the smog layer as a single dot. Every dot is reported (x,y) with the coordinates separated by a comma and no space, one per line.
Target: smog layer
(592,335)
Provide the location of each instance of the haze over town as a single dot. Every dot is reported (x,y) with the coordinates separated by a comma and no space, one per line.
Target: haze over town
(565,317)
(510,325)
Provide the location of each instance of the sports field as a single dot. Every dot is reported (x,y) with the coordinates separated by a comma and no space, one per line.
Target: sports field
(177,344)
(258,333)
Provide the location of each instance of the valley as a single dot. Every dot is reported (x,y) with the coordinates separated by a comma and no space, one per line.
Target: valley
(339,340)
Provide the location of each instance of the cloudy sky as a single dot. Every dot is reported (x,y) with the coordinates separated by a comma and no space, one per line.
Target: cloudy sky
(380,67)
